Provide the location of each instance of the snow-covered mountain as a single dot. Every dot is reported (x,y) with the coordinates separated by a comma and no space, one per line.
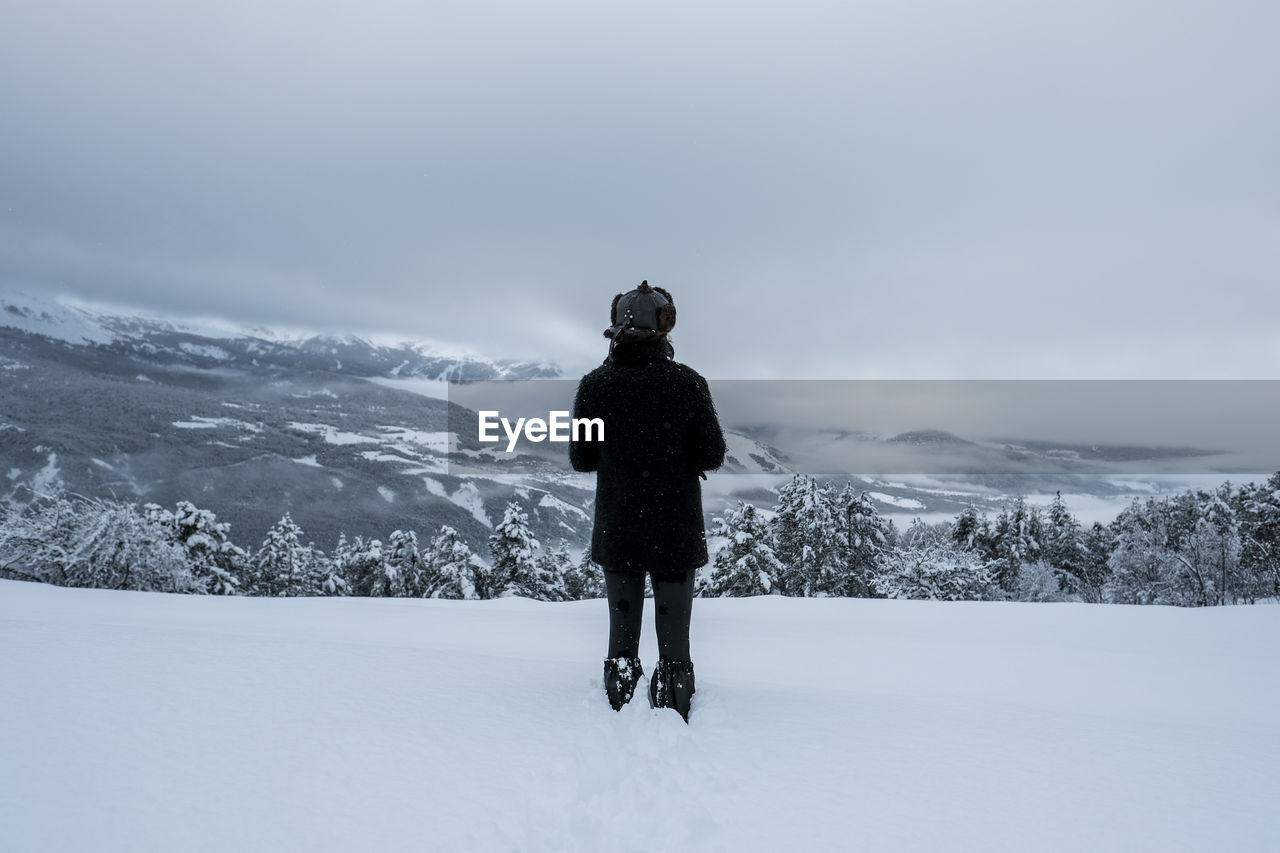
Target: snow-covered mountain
(145,721)
(350,434)
(209,342)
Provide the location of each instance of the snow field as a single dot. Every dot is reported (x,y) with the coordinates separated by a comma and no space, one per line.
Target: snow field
(144,721)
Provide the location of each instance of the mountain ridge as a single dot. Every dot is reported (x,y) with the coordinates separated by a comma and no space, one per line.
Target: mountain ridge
(206,342)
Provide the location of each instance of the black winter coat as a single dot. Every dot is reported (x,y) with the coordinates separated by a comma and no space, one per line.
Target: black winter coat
(660,433)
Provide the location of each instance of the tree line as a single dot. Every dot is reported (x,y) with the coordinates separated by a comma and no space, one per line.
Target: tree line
(96,542)
(1195,548)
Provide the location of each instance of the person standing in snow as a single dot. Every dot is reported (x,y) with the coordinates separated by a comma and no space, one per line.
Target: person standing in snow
(661,434)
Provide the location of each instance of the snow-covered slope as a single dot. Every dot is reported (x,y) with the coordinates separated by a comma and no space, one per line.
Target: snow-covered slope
(214,342)
(137,721)
(45,315)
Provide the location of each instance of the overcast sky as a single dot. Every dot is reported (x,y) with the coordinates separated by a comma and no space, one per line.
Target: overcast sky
(891,188)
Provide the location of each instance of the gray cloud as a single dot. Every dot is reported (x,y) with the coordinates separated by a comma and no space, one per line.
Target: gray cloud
(886,189)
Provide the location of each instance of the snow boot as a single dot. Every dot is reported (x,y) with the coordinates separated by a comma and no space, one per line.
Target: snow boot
(620,678)
(672,686)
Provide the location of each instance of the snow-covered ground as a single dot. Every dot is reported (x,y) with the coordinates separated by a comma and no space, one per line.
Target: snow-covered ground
(142,721)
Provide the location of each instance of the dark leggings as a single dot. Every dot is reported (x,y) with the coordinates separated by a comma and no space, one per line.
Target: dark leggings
(673,601)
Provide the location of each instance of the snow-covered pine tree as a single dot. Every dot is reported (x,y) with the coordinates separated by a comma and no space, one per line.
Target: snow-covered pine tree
(927,564)
(1098,542)
(969,529)
(867,538)
(514,554)
(585,580)
(340,562)
(283,566)
(408,570)
(745,564)
(1064,546)
(364,566)
(551,569)
(891,534)
(785,526)
(1016,537)
(454,567)
(488,584)
(216,562)
(1005,574)
(808,539)
(1035,531)
(329,577)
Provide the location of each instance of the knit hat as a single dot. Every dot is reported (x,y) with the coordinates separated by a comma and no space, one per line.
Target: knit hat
(644,310)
